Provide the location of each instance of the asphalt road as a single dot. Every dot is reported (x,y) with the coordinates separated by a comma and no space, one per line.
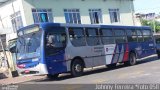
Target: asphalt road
(145,72)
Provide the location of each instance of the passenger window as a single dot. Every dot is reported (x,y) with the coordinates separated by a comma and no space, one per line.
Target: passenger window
(131,35)
(77,36)
(139,36)
(120,36)
(92,36)
(119,32)
(107,36)
(147,35)
(146,32)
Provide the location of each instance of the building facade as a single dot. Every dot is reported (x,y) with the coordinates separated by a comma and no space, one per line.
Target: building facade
(15,14)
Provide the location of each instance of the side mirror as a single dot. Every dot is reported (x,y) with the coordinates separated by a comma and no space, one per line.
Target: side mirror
(12,49)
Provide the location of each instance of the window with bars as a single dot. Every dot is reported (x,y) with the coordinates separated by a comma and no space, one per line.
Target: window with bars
(16,20)
(114,15)
(42,15)
(72,16)
(95,16)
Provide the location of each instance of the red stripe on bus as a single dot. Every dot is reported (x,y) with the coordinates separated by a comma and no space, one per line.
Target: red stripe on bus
(125,57)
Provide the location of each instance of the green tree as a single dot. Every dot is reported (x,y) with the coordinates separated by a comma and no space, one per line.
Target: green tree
(151,23)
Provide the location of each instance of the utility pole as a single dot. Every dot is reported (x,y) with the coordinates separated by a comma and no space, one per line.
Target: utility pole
(6,58)
(132,12)
(4,52)
(5,55)
(154,25)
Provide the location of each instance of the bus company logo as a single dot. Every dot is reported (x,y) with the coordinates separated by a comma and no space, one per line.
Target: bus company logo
(107,49)
(110,49)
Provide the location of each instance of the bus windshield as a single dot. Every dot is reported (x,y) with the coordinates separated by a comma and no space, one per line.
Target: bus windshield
(28,45)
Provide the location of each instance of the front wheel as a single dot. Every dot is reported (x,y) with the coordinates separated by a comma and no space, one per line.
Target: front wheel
(50,76)
(77,68)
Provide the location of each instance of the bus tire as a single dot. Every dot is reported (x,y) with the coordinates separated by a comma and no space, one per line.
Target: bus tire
(54,76)
(158,54)
(111,65)
(132,59)
(77,68)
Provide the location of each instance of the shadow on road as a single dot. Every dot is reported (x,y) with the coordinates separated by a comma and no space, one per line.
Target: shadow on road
(97,70)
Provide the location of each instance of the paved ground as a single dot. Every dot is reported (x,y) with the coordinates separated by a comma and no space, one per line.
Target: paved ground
(146,71)
(19,79)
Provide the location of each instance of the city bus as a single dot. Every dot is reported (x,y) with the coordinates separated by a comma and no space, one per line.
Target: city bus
(55,48)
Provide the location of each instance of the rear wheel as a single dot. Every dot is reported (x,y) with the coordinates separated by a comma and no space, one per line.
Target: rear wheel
(77,68)
(132,60)
(158,54)
(54,76)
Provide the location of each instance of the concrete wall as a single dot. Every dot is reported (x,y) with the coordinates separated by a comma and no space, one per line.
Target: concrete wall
(6,10)
(57,6)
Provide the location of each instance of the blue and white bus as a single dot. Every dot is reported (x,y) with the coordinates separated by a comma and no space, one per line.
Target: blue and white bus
(55,48)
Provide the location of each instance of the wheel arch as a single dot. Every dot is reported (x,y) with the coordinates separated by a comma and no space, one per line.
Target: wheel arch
(133,51)
(79,58)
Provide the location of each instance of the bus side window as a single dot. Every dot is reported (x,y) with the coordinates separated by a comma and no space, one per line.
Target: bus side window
(139,36)
(107,36)
(131,35)
(50,41)
(77,36)
(92,36)
(120,36)
(147,35)
(49,44)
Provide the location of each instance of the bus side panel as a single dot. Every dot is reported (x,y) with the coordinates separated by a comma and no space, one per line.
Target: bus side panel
(120,53)
(56,63)
(132,47)
(121,48)
(140,49)
(109,53)
(99,58)
(115,55)
(85,52)
(149,48)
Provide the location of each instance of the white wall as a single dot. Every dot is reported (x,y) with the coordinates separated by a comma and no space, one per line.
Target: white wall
(58,6)
(6,10)
(10,36)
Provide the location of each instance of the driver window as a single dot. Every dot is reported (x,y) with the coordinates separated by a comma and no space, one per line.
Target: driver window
(50,41)
(55,41)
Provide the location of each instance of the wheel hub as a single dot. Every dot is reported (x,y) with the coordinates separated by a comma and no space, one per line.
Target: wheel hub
(78,68)
(132,60)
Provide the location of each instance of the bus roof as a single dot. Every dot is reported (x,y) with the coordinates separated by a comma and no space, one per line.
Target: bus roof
(45,25)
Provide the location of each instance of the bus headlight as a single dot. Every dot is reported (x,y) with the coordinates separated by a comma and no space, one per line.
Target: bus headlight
(35,59)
